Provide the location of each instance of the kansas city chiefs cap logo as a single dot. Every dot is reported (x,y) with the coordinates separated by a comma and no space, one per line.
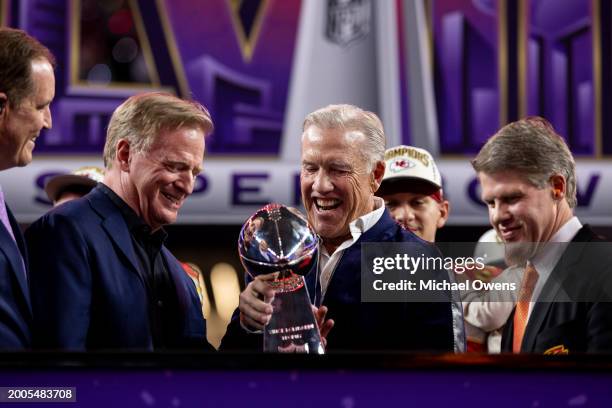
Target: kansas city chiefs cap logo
(401,164)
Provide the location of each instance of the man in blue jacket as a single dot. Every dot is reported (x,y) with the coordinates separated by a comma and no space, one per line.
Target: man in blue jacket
(101,277)
(27,87)
(342,166)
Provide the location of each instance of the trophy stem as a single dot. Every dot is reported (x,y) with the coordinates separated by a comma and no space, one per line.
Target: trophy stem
(293,327)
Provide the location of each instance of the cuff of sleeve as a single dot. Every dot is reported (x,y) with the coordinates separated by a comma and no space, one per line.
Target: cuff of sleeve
(248,330)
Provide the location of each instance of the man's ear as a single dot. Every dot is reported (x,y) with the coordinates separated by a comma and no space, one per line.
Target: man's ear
(377,175)
(3,102)
(559,186)
(123,154)
(444,207)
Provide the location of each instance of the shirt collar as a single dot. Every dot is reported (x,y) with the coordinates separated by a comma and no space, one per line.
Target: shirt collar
(367,221)
(568,231)
(546,260)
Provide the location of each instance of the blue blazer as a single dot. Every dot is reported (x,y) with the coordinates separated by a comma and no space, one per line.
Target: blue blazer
(87,290)
(414,326)
(374,326)
(15,307)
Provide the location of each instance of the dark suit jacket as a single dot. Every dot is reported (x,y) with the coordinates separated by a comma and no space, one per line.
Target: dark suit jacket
(584,324)
(15,308)
(375,326)
(87,290)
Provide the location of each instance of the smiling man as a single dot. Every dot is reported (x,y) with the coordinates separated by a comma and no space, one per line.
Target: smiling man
(528,181)
(102,277)
(342,166)
(27,87)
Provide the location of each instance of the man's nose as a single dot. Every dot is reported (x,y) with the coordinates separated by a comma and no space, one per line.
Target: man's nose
(186,182)
(47,120)
(499,213)
(403,213)
(322,182)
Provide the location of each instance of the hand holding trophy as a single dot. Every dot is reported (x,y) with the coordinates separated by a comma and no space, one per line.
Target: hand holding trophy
(278,240)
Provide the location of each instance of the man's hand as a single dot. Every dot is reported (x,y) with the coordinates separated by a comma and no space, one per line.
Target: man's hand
(324,325)
(487,273)
(255,302)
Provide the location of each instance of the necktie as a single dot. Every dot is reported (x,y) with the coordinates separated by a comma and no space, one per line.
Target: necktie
(521,313)
(4,215)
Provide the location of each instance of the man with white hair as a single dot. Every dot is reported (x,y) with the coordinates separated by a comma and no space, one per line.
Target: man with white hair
(342,166)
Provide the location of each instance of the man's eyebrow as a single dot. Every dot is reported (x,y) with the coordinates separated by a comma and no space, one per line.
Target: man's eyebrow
(183,165)
(175,162)
(504,196)
(340,164)
(511,194)
(486,199)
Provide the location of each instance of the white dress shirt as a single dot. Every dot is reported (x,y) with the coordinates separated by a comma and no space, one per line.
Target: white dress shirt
(328,263)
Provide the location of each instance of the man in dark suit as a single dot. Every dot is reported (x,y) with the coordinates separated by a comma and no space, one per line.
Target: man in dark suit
(343,165)
(527,175)
(27,87)
(102,277)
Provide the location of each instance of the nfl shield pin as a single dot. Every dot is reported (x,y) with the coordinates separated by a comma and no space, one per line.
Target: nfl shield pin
(348,20)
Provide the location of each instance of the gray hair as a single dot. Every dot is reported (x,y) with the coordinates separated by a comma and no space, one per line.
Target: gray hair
(350,117)
(532,148)
(142,117)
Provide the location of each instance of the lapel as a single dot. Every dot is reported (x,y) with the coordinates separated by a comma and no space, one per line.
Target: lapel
(552,290)
(312,282)
(18,237)
(115,227)
(380,232)
(175,269)
(15,253)
(507,333)
(348,270)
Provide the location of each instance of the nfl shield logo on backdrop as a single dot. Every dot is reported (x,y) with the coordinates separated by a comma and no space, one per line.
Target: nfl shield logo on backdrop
(348,20)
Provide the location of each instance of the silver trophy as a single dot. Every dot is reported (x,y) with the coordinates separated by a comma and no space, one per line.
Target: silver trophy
(278,239)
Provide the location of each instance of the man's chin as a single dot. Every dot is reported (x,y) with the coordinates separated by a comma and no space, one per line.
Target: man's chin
(518,253)
(167,217)
(330,231)
(24,161)
(170,219)
(325,227)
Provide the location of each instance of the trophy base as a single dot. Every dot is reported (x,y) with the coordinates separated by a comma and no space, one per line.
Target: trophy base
(293,327)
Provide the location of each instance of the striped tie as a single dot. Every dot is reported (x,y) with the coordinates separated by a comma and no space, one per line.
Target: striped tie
(521,313)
